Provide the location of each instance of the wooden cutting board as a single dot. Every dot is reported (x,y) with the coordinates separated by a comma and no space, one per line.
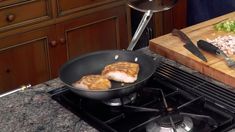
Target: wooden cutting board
(172,47)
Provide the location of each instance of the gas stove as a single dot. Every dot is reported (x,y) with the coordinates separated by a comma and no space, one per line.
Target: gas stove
(171,101)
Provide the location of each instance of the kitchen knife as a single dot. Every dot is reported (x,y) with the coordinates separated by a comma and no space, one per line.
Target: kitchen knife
(204,45)
(189,44)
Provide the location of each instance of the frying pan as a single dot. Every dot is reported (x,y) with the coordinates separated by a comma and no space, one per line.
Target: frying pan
(93,63)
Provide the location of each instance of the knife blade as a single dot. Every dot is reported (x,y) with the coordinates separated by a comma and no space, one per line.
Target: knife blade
(189,44)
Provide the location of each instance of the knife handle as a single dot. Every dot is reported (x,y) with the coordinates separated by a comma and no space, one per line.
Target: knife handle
(181,35)
(207,47)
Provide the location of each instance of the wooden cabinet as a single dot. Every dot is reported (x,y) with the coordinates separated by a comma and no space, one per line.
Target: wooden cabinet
(25,58)
(38,37)
(103,30)
(65,7)
(19,13)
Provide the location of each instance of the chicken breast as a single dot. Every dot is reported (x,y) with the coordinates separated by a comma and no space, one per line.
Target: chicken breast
(93,82)
(126,72)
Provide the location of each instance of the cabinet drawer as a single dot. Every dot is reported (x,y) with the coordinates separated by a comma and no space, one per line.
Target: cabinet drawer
(10,2)
(23,13)
(65,7)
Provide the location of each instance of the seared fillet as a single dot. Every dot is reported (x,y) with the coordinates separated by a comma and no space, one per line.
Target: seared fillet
(126,72)
(93,82)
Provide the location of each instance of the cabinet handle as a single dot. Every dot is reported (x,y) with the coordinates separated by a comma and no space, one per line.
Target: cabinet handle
(10,17)
(8,71)
(62,40)
(53,43)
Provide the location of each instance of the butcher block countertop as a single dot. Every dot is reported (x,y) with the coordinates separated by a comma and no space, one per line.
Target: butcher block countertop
(172,47)
(34,111)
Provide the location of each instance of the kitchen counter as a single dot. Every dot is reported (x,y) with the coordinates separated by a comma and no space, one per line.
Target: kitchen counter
(33,110)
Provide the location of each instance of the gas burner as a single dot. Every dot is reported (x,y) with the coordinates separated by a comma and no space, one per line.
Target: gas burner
(121,101)
(171,123)
(233,130)
(167,121)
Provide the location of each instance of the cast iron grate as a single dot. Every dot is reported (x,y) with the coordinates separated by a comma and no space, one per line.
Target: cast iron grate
(218,94)
(169,91)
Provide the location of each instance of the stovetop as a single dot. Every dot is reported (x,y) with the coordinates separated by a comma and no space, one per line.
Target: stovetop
(171,101)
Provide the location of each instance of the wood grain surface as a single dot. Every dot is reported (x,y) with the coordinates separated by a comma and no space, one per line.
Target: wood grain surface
(172,47)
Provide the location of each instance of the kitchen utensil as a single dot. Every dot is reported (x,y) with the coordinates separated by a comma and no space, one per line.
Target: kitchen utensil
(22,88)
(215,50)
(148,7)
(189,44)
(93,63)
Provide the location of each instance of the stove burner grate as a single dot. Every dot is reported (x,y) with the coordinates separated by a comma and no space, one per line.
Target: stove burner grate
(184,124)
(121,101)
(171,120)
(189,82)
(169,93)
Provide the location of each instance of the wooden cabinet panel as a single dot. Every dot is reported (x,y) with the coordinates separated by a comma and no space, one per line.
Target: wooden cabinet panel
(23,13)
(23,64)
(36,49)
(98,31)
(27,60)
(65,7)
(10,2)
(57,53)
(99,35)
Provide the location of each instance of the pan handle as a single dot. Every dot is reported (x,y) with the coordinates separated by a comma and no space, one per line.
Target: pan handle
(143,23)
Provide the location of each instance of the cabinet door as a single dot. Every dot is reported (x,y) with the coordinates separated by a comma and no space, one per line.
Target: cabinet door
(65,7)
(102,30)
(25,58)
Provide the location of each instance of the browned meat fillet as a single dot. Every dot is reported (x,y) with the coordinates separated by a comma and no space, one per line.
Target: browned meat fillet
(93,82)
(126,72)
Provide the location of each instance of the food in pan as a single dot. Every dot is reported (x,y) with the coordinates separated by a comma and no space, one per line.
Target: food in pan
(93,82)
(126,72)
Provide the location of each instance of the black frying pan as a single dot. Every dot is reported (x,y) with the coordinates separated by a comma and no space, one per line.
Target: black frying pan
(93,63)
